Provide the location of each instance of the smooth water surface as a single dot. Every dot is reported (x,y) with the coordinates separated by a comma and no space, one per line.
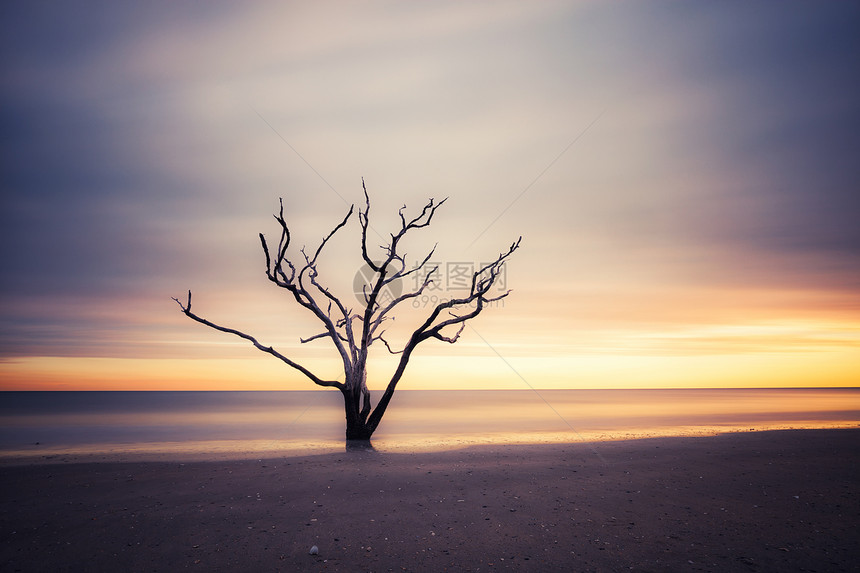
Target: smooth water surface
(256,423)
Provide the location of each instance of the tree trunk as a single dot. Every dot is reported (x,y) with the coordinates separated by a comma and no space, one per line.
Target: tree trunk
(357,429)
(357,433)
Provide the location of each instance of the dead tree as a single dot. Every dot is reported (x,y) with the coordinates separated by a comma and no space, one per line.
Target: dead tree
(353,333)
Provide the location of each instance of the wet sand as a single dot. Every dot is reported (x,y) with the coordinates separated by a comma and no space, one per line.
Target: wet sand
(756,501)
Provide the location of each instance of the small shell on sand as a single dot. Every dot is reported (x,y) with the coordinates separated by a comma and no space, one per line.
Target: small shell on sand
(314,550)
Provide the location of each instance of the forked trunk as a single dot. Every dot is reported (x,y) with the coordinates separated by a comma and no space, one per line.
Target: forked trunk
(357,429)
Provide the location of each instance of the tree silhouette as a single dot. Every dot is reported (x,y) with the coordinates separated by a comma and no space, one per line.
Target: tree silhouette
(353,333)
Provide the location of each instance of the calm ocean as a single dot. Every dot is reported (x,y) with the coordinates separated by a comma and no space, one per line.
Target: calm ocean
(256,423)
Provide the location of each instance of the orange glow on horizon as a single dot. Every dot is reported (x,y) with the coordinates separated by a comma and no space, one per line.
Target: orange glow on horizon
(509,348)
(449,372)
(678,231)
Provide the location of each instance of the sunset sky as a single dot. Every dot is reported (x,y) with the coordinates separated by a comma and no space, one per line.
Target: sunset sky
(684,176)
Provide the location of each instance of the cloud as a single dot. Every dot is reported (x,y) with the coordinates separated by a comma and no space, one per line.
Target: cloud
(145,147)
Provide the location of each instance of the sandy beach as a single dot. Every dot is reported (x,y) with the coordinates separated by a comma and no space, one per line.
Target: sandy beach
(756,501)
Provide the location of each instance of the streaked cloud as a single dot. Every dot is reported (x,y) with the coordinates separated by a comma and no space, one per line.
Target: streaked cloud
(145,146)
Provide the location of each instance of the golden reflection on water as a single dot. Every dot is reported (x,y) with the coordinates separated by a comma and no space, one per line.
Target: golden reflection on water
(422,421)
(222,450)
(465,408)
(616,409)
(409,444)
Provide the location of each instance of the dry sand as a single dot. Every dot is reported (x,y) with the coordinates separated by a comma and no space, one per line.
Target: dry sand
(758,501)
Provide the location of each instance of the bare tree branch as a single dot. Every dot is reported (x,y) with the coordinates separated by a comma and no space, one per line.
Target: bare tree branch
(451,339)
(186,309)
(364,221)
(330,235)
(320,335)
(383,313)
(293,282)
(388,346)
(302,281)
(431,329)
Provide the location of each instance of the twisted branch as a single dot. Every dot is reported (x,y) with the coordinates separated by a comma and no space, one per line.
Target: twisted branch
(354,348)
